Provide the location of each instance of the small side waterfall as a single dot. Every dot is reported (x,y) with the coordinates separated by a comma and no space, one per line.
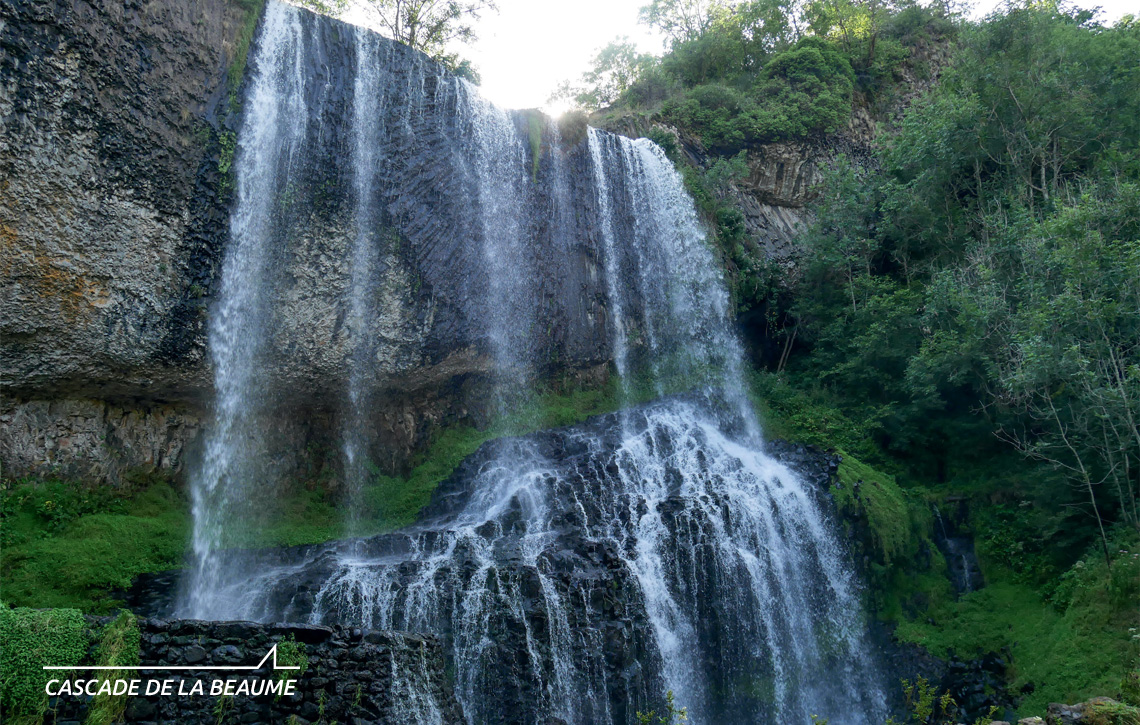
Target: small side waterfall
(368,99)
(575,573)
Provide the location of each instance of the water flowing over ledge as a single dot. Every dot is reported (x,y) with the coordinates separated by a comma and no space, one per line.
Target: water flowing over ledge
(577,573)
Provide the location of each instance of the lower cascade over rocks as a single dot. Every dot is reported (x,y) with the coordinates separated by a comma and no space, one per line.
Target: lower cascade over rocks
(579,573)
(350,675)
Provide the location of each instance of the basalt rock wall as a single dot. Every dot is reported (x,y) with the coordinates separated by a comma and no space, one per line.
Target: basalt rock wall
(111,228)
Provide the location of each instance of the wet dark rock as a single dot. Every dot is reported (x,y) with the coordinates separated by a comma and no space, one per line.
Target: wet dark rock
(226,655)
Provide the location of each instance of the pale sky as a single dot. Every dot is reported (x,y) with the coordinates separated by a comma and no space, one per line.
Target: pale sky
(530,46)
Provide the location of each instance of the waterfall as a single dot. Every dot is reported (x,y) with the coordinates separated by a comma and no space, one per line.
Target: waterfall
(500,162)
(576,573)
(272,131)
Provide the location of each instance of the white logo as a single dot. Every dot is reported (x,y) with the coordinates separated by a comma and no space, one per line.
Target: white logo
(152,668)
(254,686)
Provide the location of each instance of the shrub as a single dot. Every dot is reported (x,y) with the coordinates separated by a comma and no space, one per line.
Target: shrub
(802,91)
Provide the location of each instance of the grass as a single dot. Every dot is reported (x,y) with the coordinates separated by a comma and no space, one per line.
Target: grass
(236,70)
(118,646)
(1069,656)
(75,561)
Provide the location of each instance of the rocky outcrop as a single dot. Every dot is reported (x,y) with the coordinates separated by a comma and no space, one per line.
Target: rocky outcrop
(93,440)
(1096,711)
(350,675)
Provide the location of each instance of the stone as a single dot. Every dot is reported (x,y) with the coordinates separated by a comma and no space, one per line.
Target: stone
(139,708)
(1058,713)
(307,633)
(227,655)
(194,654)
(1031,721)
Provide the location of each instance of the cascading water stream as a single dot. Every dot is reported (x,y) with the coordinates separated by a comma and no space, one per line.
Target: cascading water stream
(368,102)
(576,573)
(499,160)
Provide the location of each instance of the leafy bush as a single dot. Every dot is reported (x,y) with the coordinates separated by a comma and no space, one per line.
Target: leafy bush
(717,113)
(30,639)
(291,654)
(804,90)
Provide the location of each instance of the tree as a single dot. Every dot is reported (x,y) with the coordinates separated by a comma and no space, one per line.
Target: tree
(615,68)
(430,25)
(682,20)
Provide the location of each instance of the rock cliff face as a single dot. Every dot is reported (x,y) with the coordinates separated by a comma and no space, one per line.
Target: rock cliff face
(117,157)
(107,200)
(110,224)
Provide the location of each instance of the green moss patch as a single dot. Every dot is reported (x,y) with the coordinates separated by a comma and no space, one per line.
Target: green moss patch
(30,639)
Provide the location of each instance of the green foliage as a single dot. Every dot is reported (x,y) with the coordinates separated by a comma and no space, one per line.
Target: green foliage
(1103,711)
(1070,653)
(87,542)
(673,715)
(614,70)
(30,639)
(804,90)
(429,26)
(925,705)
(985,274)
(227,146)
(118,646)
(292,654)
(236,70)
(1130,687)
(895,526)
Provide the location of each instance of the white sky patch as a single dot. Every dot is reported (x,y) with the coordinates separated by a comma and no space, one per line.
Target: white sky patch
(530,46)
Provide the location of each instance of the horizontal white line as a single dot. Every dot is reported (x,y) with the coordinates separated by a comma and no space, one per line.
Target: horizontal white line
(214,668)
(250,668)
